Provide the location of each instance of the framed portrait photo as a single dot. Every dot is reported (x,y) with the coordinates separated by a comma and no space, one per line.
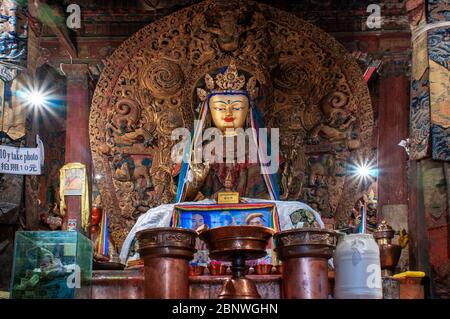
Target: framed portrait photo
(74,181)
(192,216)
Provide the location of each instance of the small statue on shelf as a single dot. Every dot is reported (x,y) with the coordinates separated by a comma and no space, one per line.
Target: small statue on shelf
(52,219)
(105,252)
(367,201)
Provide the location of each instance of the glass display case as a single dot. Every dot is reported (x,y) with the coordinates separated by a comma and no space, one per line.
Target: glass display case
(51,265)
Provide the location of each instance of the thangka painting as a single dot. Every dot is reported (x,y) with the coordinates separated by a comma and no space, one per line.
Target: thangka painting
(193,216)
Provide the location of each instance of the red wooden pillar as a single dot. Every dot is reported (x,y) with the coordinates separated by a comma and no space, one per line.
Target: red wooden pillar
(77,132)
(392,128)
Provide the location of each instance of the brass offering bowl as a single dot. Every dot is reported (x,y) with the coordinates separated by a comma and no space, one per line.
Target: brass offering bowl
(196,270)
(237,244)
(217,270)
(263,269)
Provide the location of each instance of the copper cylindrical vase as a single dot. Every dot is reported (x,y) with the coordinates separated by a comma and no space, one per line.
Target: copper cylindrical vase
(305,253)
(166,253)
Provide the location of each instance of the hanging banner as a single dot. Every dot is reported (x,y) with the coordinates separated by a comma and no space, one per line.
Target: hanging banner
(20,160)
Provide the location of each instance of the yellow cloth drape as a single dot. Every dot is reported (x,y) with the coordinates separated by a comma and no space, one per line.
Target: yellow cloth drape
(84,192)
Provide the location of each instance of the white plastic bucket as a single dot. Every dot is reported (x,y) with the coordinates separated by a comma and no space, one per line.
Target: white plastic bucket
(357,268)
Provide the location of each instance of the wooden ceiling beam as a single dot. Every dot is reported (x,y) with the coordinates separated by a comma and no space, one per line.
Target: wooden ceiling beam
(48,15)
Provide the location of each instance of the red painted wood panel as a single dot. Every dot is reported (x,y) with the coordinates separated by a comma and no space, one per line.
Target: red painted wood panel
(77,134)
(392,128)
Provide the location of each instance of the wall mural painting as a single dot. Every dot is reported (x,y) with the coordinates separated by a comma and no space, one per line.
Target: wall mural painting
(312,90)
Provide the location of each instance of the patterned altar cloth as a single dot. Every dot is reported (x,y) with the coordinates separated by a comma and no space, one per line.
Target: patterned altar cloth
(161,216)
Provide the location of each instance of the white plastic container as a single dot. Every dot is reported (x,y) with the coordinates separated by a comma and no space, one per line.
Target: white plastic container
(358,270)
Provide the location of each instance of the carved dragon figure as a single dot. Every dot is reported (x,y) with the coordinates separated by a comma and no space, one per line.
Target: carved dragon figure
(338,121)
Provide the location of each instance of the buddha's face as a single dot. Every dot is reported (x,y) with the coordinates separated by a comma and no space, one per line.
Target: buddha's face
(229,111)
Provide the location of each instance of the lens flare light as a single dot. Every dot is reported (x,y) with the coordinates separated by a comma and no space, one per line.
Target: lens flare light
(34,97)
(364,170)
(40,98)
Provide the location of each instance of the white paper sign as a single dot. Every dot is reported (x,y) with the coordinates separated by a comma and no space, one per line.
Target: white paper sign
(40,146)
(20,161)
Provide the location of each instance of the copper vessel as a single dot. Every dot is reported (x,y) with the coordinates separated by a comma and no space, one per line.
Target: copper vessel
(389,253)
(166,253)
(196,270)
(305,253)
(263,269)
(237,244)
(118,284)
(217,270)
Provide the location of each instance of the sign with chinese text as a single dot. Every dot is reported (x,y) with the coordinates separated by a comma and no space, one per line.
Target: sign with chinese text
(20,161)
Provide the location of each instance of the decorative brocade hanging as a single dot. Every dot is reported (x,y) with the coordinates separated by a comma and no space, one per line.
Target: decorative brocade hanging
(430,98)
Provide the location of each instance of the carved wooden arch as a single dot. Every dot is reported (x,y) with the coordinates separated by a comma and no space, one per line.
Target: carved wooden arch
(313,89)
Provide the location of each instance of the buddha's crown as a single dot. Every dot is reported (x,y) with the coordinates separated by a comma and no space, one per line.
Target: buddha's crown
(230,82)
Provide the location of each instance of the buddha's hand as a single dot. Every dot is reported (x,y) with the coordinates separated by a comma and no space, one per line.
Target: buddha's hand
(199,173)
(196,178)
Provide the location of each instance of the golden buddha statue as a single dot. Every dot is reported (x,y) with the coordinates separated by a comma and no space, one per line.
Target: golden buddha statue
(230,100)
(230,112)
